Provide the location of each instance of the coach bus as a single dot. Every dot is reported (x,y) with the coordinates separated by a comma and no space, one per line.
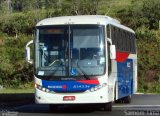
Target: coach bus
(89,59)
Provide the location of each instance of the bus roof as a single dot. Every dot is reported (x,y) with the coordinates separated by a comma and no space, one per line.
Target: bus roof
(82,19)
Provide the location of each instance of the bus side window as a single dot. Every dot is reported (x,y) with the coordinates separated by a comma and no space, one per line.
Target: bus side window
(133,43)
(108,32)
(109,60)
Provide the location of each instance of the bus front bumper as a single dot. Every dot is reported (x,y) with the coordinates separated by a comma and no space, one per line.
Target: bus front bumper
(99,96)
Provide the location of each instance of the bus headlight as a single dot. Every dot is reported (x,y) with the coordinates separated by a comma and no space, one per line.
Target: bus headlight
(42,88)
(98,87)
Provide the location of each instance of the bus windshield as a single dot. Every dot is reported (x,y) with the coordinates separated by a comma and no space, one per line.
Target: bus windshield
(75,50)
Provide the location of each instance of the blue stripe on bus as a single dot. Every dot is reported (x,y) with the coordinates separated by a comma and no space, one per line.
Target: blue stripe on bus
(67,86)
(125,78)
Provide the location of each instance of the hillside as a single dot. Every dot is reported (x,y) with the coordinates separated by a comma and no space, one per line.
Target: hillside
(19,17)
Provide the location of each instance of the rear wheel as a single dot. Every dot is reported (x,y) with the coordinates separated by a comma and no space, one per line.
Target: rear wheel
(127,99)
(108,106)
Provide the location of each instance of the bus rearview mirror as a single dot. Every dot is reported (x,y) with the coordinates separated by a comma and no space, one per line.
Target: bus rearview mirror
(28,53)
(112,52)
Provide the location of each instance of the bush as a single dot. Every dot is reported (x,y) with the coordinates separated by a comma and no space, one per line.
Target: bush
(148,49)
(14,71)
(148,43)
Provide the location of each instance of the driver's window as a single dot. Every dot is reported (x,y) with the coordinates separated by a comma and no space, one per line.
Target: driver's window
(51,47)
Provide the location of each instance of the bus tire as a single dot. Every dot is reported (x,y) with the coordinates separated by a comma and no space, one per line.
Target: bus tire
(108,106)
(53,107)
(127,99)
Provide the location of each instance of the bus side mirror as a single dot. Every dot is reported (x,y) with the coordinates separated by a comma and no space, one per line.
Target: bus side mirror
(28,53)
(112,52)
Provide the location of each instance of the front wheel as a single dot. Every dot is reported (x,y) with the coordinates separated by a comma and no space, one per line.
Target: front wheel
(108,106)
(53,107)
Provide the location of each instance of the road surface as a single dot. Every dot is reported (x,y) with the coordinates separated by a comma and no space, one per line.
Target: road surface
(142,104)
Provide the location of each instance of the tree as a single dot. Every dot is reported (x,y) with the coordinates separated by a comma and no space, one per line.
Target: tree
(5,6)
(146,14)
(81,7)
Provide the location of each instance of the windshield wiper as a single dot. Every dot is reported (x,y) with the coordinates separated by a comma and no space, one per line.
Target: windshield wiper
(84,73)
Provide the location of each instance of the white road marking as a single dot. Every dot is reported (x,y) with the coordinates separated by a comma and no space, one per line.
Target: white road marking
(135,106)
(139,93)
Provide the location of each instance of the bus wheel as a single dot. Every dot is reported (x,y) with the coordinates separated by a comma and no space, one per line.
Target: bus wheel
(53,107)
(127,99)
(115,94)
(108,106)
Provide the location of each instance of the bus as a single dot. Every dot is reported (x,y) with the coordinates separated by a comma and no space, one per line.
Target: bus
(88,59)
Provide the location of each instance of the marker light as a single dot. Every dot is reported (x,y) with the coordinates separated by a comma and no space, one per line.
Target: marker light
(98,87)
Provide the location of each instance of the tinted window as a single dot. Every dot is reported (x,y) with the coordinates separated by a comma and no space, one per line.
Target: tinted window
(124,41)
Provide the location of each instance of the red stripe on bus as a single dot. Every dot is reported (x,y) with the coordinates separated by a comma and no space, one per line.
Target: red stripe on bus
(121,56)
(89,81)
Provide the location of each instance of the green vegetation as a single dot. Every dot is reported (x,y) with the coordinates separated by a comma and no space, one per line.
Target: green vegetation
(17,28)
(12,90)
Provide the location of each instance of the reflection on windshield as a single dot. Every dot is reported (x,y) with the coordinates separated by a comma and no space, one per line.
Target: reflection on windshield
(81,54)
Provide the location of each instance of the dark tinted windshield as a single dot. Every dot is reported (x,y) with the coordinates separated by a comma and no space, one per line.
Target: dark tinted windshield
(70,50)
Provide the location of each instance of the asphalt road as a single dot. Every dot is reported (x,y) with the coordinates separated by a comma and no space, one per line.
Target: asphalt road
(144,105)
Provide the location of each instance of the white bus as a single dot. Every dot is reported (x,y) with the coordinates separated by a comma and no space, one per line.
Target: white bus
(88,59)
